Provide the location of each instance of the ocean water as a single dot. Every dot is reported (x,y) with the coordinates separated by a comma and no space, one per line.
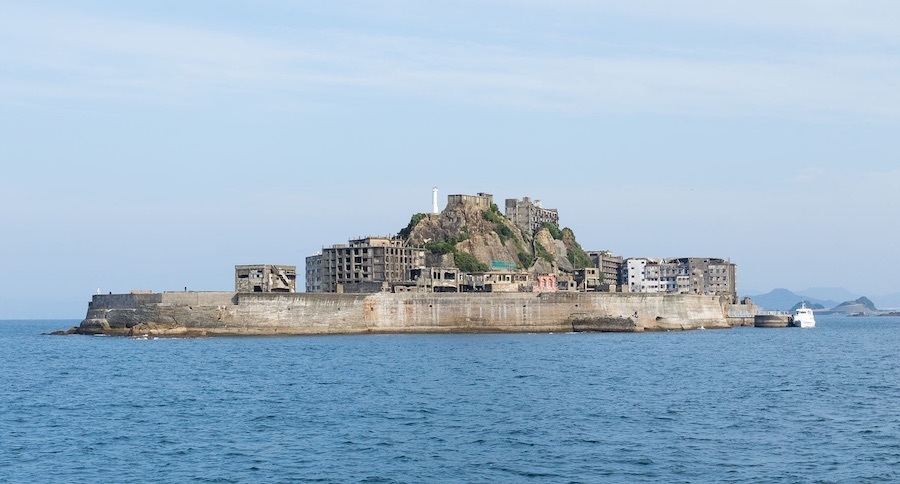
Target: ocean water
(740,405)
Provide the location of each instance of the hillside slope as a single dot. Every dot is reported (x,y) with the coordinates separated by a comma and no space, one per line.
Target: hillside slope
(476,236)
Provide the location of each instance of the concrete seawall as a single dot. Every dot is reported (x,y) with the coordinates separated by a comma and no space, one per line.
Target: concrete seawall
(772,321)
(229,313)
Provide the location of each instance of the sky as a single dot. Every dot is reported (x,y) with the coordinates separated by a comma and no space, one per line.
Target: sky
(156,144)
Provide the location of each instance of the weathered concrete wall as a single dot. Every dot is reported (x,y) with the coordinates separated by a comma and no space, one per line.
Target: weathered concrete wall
(743,314)
(772,321)
(221,313)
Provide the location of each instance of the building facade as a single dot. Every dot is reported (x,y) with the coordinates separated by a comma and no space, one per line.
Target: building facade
(265,278)
(482,200)
(496,281)
(431,279)
(689,275)
(710,275)
(368,264)
(589,279)
(530,216)
(314,273)
(611,267)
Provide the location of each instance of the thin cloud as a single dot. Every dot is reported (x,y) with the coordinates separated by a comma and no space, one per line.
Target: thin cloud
(75,55)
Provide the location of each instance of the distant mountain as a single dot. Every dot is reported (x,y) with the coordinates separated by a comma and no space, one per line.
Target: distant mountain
(859,307)
(863,301)
(883,301)
(810,305)
(829,293)
(783,300)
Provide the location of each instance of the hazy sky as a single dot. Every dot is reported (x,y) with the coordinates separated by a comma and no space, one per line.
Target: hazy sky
(156,144)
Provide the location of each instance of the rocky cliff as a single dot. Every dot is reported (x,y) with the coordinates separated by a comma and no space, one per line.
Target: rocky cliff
(476,236)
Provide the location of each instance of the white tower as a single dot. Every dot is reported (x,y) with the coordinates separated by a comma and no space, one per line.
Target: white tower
(434,200)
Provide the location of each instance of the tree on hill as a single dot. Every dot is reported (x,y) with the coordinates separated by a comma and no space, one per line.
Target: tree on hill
(576,255)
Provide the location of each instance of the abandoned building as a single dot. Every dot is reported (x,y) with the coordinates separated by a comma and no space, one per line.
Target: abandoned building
(265,278)
(387,264)
(481,200)
(686,275)
(368,264)
(611,268)
(589,279)
(497,281)
(430,279)
(530,216)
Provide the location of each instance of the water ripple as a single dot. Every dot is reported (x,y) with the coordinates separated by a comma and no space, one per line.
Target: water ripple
(728,406)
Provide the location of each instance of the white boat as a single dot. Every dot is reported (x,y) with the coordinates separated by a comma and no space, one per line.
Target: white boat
(803,317)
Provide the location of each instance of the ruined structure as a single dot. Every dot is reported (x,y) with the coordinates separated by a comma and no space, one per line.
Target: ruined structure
(497,281)
(689,275)
(481,273)
(589,279)
(530,216)
(265,278)
(611,267)
(481,200)
(431,279)
(314,273)
(369,264)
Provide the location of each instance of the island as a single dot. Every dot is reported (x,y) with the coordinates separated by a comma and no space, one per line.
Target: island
(468,268)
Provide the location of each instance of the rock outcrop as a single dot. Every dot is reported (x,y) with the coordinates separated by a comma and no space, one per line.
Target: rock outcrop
(487,235)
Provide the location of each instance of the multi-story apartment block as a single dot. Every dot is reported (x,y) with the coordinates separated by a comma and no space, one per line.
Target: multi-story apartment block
(635,274)
(684,275)
(611,266)
(710,275)
(530,216)
(366,264)
(314,273)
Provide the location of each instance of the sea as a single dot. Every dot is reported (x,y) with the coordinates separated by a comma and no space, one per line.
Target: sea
(736,405)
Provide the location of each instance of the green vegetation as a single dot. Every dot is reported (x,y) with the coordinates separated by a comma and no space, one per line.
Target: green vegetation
(554,230)
(500,223)
(440,247)
(504,232)
(405,233)
(467,262)
(576,255)
(493,215)
(525,260)
(543,253)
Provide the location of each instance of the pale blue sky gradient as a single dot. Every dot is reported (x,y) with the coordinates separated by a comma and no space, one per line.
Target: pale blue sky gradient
(154,145)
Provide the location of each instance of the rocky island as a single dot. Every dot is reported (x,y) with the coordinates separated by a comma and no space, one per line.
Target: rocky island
(468,268)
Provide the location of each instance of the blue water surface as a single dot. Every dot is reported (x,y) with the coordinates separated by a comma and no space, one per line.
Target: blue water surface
(740,405)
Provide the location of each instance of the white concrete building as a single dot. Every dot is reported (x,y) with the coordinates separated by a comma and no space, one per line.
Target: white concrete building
(683,276)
